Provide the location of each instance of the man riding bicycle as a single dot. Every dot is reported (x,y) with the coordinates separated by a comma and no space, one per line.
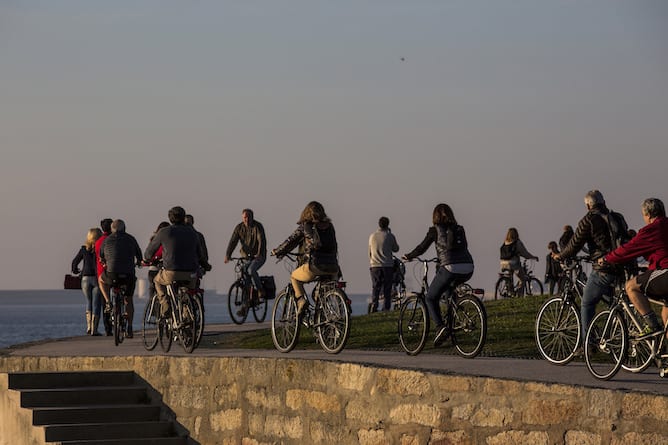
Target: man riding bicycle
(121,254)
(181,255)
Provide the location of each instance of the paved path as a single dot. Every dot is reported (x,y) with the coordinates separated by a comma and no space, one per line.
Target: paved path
(575,373)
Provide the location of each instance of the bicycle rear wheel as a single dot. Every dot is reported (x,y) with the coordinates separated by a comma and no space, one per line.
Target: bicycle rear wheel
(533,287)
(332,321)
(639,354)
(187,330)
(503,288)
(150,323)
(198,307)
(413,325)
(117,323)
(165,335)
(237,300)
(605,345)
(469,326)
(284,322)
(260,309)
(557,331)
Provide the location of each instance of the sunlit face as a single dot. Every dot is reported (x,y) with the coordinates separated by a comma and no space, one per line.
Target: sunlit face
(246,218)
(645,217)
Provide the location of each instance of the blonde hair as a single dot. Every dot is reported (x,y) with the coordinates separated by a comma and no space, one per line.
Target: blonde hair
(93,235)
(512,235)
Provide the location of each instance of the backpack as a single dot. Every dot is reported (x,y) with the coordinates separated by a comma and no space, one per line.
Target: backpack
(508,250)
(617,227)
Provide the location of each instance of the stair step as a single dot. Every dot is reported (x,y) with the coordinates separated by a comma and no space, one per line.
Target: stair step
(143,441)
(58,397)
(98,431)
(36,380)
(95,414)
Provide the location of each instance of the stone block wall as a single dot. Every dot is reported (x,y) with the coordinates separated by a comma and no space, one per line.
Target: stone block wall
(258,401)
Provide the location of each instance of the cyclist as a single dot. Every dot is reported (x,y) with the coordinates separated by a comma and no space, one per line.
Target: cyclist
(381,245)
(455,264)
(155,263)
(594,233)
(250,233)
(120,253)
(510,252)
(105,226)
(181,255)
(650,242)
(318,250)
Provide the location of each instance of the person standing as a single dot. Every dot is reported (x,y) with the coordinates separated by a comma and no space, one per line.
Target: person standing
(382,244)
(553,269)
(89,284)
(455,263)
(565,237)
(121,254)
(594,233)
(250,233)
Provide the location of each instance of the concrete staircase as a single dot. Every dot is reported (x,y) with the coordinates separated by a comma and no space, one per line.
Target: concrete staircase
(86,408)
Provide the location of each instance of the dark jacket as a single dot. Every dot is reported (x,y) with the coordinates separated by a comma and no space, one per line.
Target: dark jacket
(553,269)
(451,245)
(317,242)
(121,253)
(252,238)
(593,233)
(89,262)
(181,248)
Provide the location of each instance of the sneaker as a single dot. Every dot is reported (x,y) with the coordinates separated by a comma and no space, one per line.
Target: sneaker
(107,308)
(129,333)
(649,331)
(442,334)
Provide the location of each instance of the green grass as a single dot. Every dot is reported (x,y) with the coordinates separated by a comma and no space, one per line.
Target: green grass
(510,332)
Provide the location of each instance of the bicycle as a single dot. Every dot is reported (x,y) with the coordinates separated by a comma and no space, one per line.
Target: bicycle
(181,323)
(119,320)
(465,315)
(243,296)
(612,342)
(529,286)
(327,314)
(558,323)
(398,293)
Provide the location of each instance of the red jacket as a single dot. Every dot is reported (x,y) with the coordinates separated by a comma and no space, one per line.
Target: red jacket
(98,246)
(651,242)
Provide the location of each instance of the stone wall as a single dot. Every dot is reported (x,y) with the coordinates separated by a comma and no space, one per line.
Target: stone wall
(228,400)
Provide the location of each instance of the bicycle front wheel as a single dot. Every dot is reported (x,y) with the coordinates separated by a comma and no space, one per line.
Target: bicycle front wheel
(284,322)
(198,307)
(533,287)
(606,344)
(187,330)
(117,314)
(260,309)
(150,323)
(503,288)
(558,331)
(237,300)
(413,324)
(469,326)
(165,334)
(332,321)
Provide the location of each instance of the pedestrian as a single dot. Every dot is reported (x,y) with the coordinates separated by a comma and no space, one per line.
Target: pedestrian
(89,285)
(553,270)
(382,244)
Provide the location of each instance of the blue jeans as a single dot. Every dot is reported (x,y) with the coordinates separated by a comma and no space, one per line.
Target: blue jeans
(442,282)
(252,269)
(381,282)
(598,285)
(92,294)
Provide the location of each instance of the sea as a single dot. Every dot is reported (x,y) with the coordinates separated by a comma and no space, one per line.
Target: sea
(35,315)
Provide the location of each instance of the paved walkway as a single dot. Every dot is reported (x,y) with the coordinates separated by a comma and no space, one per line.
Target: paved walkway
(575,373)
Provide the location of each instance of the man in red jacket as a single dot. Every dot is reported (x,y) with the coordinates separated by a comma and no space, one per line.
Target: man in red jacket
(651,242)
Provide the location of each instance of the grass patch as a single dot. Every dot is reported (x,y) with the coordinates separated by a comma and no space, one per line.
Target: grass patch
(510,332)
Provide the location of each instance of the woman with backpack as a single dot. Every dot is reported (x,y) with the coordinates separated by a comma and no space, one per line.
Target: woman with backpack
(316,239)
(511,251)
(455,264)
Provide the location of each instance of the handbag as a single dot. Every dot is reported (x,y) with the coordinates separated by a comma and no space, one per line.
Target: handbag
(72,282)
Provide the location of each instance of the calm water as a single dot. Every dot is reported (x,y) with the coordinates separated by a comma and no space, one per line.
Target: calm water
(31,315)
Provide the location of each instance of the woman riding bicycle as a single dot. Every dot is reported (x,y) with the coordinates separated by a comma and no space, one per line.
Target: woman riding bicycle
(316,239)
(455,264)
(510,252)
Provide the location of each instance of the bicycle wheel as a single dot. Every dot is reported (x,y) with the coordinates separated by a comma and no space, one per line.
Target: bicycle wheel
(469,326)
(150,323)
(503,288)
(533,287)
(639,354)
(237,299)
(413,324)
(187,330)
(198,307)
(117,314)
(260,309)
(557,331)
(165,333)
(284,323)
(332,321)
(605,344)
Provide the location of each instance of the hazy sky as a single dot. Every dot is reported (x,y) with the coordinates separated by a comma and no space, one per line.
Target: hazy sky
(509,111)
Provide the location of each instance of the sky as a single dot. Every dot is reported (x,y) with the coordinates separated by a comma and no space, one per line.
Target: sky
(508,111)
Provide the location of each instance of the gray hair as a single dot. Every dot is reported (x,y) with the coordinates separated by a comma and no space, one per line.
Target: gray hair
(594,197)
(653,207)
(118,226)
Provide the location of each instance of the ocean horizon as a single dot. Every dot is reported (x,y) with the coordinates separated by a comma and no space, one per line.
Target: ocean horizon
(37,315)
